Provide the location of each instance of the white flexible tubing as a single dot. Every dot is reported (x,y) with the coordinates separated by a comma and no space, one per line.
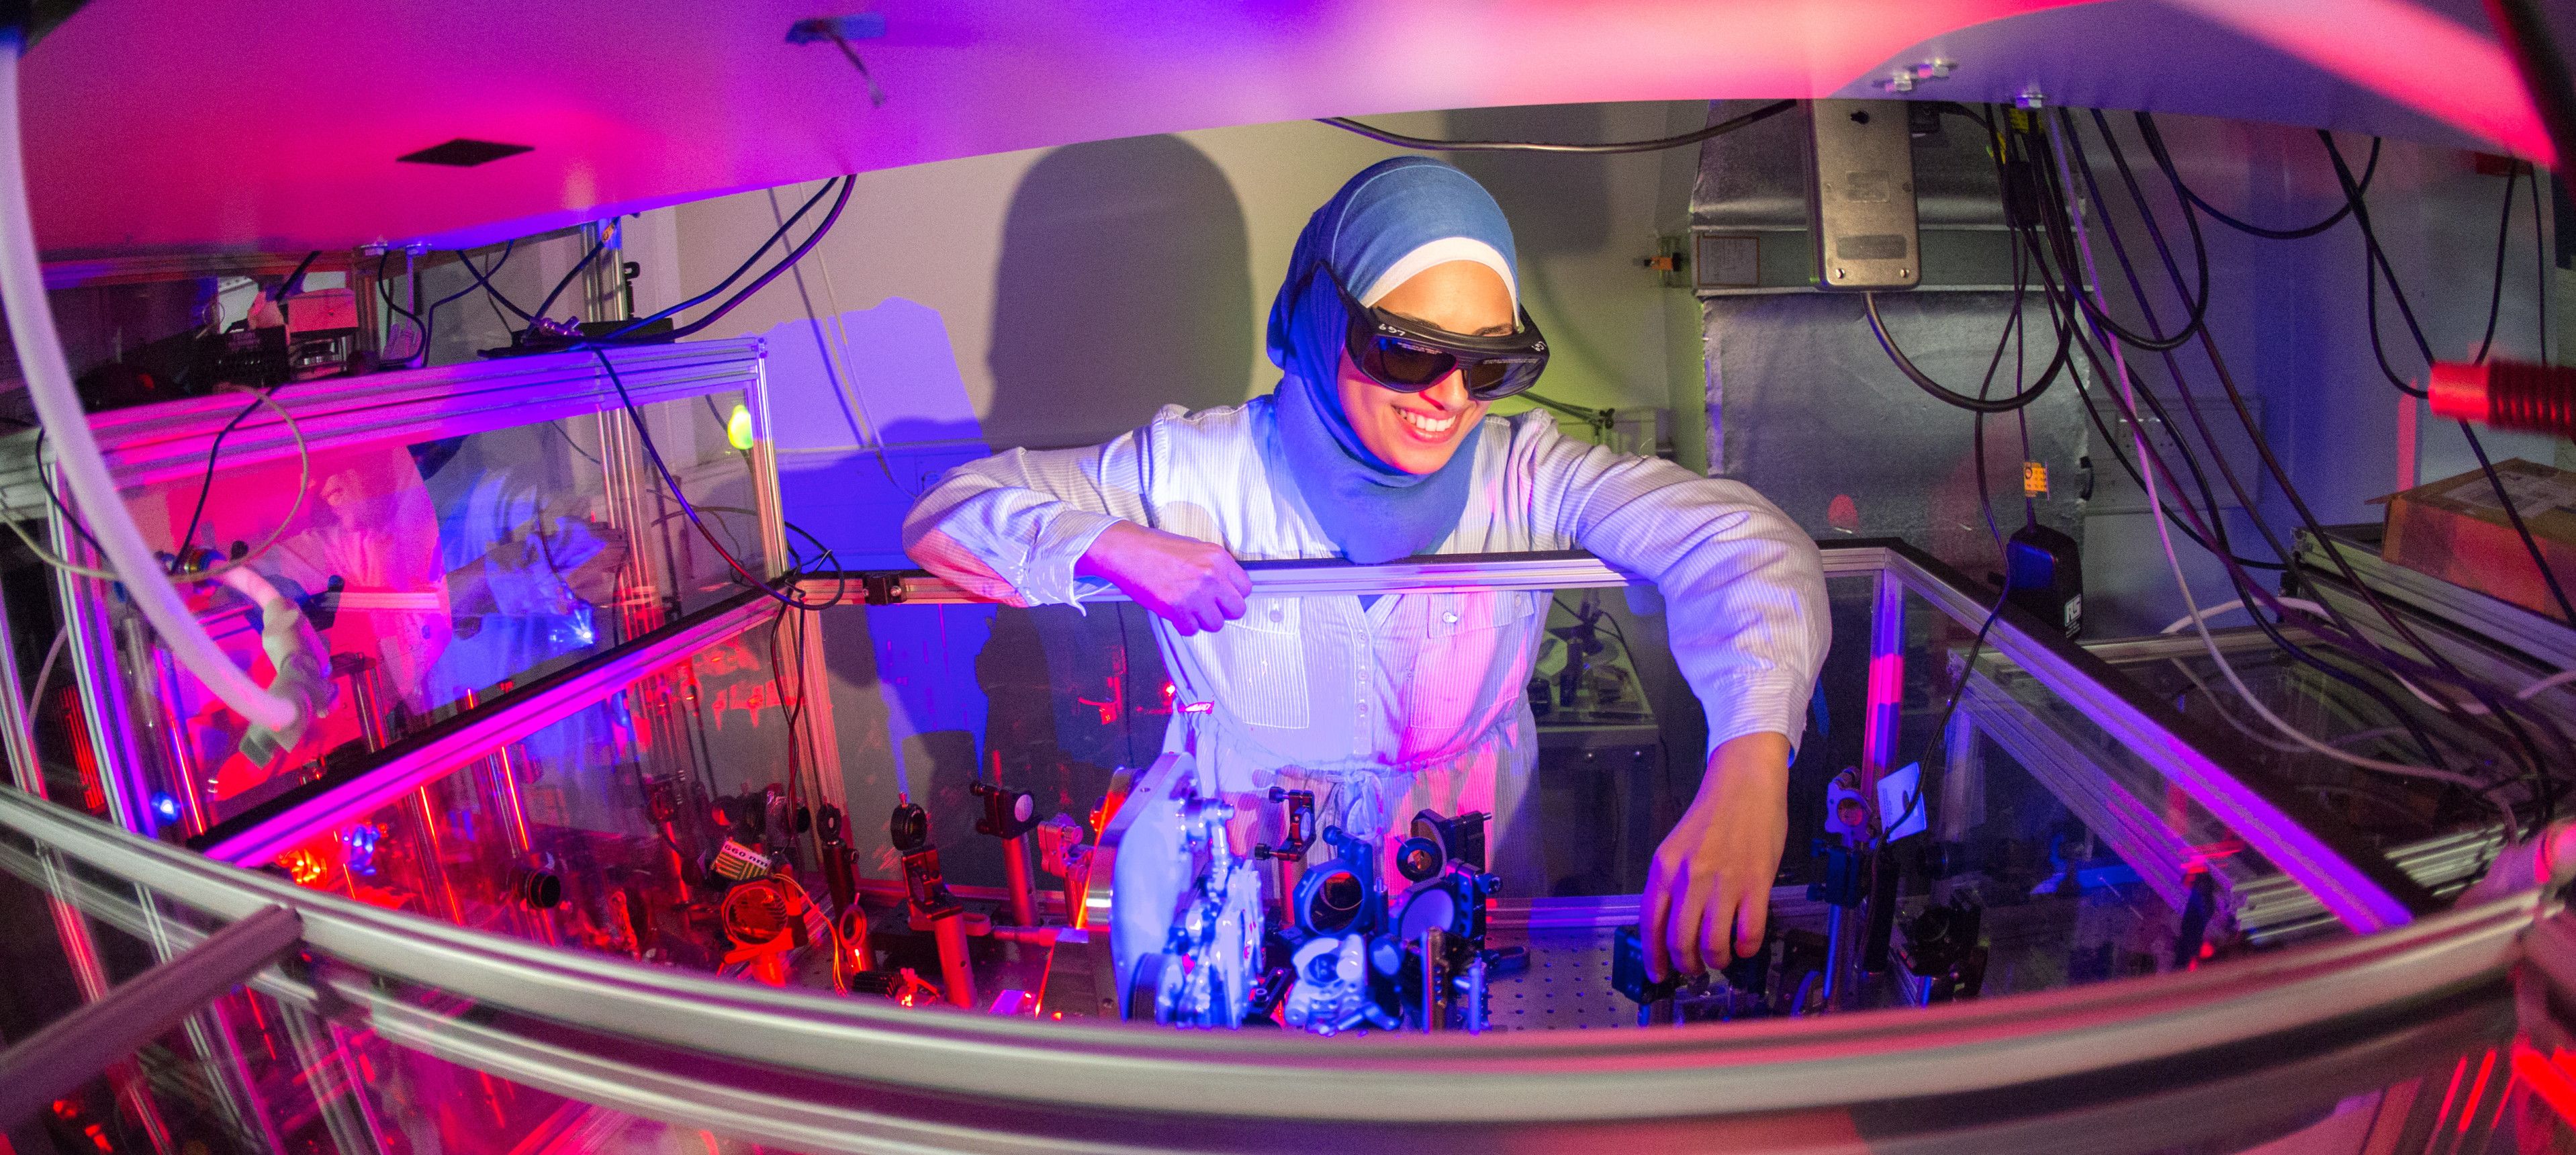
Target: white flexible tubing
(2156,514)
(49,384)
(2239,604)
(2471,708)
(2524,694)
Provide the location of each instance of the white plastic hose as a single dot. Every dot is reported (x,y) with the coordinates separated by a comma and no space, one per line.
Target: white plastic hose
(49,384)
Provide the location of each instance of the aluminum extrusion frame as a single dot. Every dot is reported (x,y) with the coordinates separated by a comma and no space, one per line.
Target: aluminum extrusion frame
(995,1070)
(72,1049)
(262,835)
(2358,885)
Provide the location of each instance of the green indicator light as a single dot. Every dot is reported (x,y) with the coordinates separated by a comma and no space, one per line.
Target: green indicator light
(738,428)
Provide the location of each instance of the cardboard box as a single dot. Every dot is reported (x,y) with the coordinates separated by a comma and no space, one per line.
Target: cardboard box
(2455,530)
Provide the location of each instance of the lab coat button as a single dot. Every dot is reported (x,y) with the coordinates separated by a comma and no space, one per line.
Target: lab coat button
(1451,617)
(1274,613)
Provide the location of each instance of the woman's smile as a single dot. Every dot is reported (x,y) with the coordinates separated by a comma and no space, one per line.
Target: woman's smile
(1419,432)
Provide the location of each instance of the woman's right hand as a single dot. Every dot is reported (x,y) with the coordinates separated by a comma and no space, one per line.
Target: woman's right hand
(1194,585)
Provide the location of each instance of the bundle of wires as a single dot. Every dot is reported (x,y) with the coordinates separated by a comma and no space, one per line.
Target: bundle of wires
(634,333)
(2039,165)
(787,648)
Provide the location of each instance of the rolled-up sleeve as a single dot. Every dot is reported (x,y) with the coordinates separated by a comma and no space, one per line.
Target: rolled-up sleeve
(1744,586)
(1011,526)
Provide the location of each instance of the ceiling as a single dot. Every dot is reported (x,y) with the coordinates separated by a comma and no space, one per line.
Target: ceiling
(273,125)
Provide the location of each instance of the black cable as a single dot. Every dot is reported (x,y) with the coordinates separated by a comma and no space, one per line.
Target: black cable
(2519,742)
(671,482)
(1426,144)
(596,248)
(2199,306)
(2060,231)
(2013,330)
(1985,492)
(2021,373)
(2156,149)
(2370,322)
(206,484)
(2539,262)
(2374,264)
(429,316)
(56,500)
(840,579)
(2495,291)
(1951,397)
(2111,443)
(2370,238)
(2243,581)
(426,320)
(1941,728)
(385,289)
(2272,463)
(2083,164)
(621,337)
(784,263)
(747,262)
(1948,396)
(2120,252)
(793,706)
(385,294)
(294,280)
(483,278)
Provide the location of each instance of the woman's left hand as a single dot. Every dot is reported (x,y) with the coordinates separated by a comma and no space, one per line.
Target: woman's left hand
(1708,890)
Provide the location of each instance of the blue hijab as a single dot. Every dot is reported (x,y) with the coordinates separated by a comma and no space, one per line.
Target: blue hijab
(1372,510)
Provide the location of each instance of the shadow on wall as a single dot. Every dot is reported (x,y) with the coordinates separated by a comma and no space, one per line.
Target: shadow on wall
(1559,205)
(836,485)
(929,699)
(1124,285)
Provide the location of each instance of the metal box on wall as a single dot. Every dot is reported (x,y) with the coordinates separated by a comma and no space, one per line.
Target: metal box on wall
(1861,211)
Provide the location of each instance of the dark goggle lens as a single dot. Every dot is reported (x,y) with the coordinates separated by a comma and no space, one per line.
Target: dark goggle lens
(1401,364)
(1488,380)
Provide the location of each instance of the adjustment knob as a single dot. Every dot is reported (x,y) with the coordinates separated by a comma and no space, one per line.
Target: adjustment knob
(909,828)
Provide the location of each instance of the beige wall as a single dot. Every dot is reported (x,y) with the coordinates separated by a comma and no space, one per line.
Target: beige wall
(1057,296)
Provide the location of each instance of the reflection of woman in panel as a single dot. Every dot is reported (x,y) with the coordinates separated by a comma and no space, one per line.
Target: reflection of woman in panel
(1398,326)
(367,525)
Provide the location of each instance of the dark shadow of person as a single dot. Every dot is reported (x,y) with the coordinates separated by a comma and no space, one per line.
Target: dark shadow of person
(1124,285)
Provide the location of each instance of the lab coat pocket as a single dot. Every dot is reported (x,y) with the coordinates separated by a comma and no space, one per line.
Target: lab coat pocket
(1457,684)
(1263,655)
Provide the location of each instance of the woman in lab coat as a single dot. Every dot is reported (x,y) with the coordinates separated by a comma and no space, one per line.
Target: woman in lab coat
(1398,326)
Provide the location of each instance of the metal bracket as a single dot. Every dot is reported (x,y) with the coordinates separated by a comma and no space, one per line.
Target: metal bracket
(883,589)
(55,1061)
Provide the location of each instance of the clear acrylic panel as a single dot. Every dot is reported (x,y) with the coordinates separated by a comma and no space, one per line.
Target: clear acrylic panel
(330,1086)
(2440,834)
(434,575)
(2085,862)
(598,831)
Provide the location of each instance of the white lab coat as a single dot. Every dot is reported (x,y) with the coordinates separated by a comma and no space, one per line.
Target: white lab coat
(1416,701)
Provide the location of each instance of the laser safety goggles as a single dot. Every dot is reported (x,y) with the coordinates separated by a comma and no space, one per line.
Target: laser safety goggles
(1409,357)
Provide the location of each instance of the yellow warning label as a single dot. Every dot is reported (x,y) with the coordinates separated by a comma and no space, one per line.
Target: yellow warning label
(2034,479)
